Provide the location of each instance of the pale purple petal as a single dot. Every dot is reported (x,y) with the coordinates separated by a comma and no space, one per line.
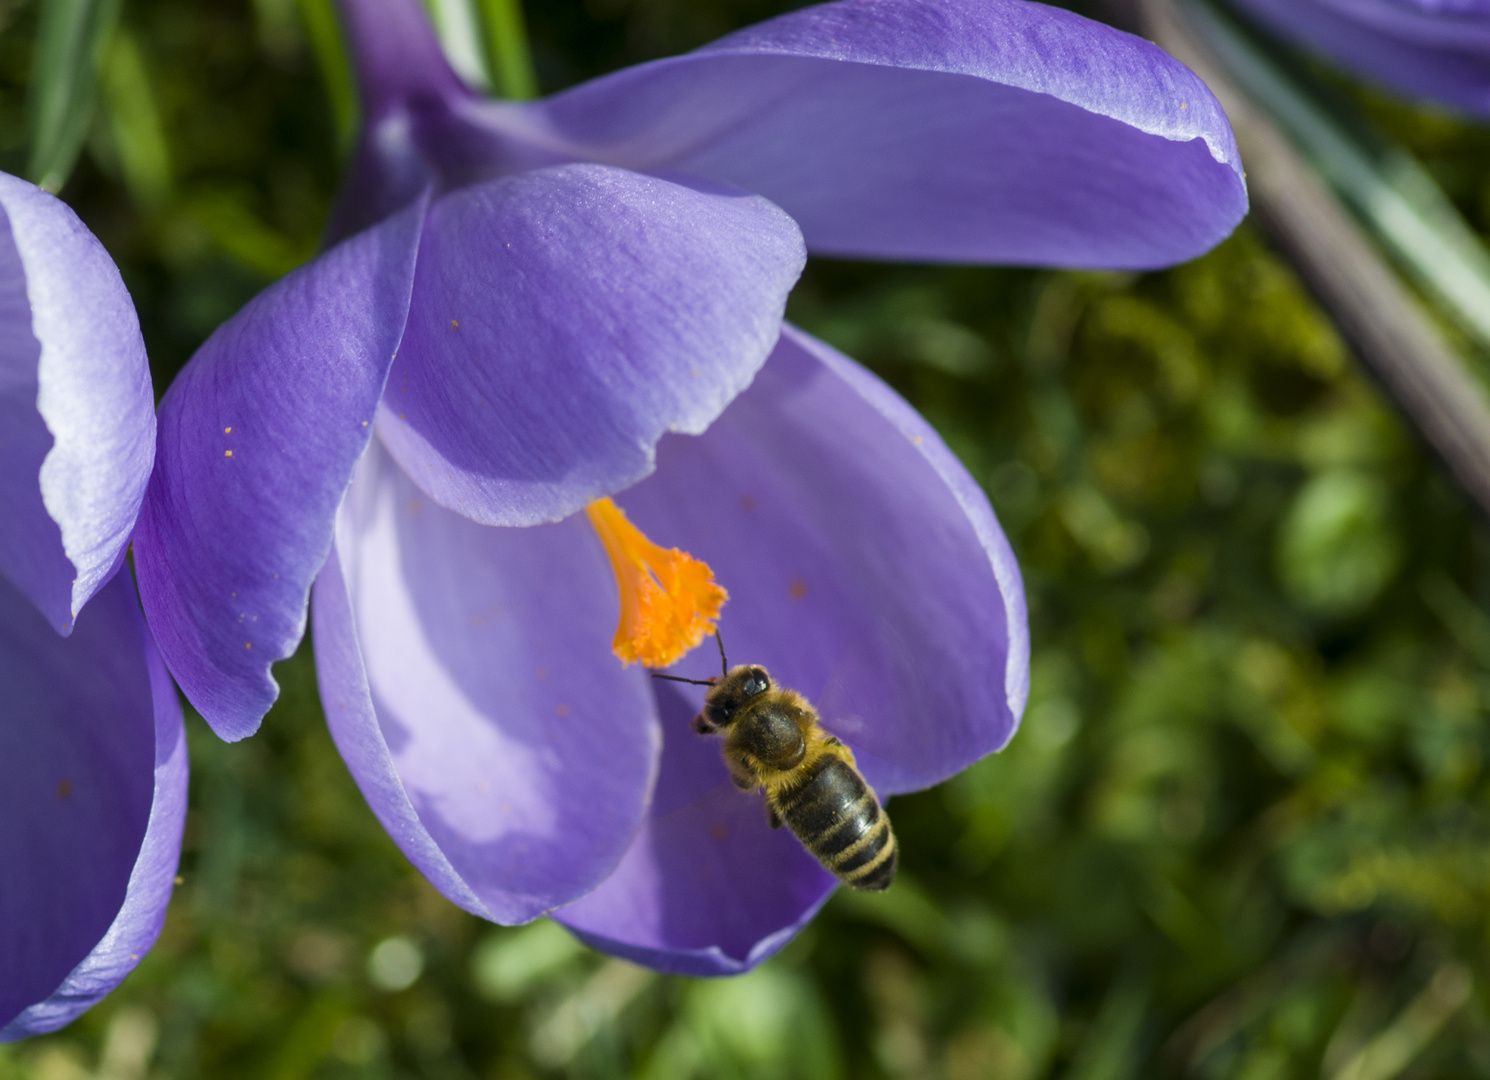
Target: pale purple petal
(467,677)
(77,414)
(707,888)
(92,804)
(259,437)
(1437,49)
(865,569)
(564,320)
(956,130)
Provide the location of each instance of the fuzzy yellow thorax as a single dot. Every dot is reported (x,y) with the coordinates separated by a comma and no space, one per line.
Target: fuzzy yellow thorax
(669,599)
(820,744)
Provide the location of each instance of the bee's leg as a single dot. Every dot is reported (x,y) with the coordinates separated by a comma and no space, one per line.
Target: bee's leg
(742,780)
(773,819)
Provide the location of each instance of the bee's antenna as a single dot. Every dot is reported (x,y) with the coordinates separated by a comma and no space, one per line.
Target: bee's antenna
(720,642)
(677,678)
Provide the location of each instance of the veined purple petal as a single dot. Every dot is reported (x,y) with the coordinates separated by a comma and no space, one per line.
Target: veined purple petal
(956,130)
(563,320)
(469,684)
(707,887)
(92,803)
(77,415)
(866,570)
(1436,49)
(259,436)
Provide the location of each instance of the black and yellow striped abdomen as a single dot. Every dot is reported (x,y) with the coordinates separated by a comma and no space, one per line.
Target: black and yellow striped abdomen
(839,820)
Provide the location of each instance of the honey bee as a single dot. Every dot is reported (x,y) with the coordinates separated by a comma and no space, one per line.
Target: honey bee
(774,740)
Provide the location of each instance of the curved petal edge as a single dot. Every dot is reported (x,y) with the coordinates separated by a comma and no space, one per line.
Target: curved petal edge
(970,497)
(77,413)
(259,436)
(152,880)
(943,130)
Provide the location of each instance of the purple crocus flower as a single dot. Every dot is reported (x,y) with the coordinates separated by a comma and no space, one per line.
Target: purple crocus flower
(552,303)
(1436,49)
(92,751)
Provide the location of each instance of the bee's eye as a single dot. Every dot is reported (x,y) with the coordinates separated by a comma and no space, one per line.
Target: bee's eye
(756,684)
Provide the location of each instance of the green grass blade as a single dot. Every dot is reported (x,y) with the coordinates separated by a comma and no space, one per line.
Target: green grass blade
(508,53)
(72,40)
(134,122)
(324,31)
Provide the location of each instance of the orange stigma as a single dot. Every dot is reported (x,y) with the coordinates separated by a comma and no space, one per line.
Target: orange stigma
(669,599)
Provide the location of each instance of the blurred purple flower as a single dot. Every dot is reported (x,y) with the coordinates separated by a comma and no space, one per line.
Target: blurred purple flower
(539,294)
(1437,49)
(92,751)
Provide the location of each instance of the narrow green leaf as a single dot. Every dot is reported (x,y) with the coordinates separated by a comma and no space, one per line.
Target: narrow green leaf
(324,31)
(508,53)
(1112,1047)
(72,40)
(245,237)
(134,123)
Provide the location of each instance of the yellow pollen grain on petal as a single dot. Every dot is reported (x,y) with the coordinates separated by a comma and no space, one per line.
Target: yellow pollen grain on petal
(669,599)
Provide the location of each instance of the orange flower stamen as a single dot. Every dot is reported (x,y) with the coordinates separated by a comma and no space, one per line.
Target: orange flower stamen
(669,599)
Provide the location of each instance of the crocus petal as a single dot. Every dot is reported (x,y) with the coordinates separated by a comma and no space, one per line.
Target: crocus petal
(1437,49)
(92,803)
(468,682)
(707,887)
(259,437)
(77,415)
(960,130)
(563,320)
(865,569)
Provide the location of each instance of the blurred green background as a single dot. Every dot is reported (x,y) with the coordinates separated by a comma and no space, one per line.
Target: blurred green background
(1244,832)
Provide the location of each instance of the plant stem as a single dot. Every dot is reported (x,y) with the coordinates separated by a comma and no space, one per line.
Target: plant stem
(508,54)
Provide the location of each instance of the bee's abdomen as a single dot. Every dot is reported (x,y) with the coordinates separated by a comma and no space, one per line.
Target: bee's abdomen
(838,819)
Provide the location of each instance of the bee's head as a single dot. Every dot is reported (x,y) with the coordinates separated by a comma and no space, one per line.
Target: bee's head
(733,690)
